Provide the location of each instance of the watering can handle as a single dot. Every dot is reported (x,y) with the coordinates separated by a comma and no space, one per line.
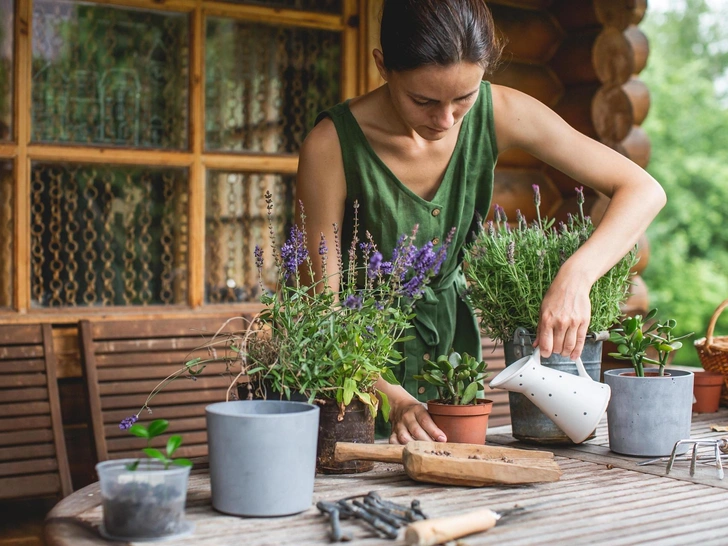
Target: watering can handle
(579,364)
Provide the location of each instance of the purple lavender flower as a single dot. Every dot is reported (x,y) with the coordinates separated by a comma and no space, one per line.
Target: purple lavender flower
(375,264)
(369,329)
(258,252)
(128,422)
(491,229)
(536,195)
(323,249)
(294,252)
(413,287)
(353,302)
(379,305)
(580,195)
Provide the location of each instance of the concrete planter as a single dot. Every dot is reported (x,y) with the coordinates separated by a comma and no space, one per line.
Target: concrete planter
(647,415)
(262,456)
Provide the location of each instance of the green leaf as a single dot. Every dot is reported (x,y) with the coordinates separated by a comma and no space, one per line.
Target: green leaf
(139,430)
(182,462)
(155,454)
(349,386)
(470,392)
(157,427)
(385,405)
(389,377)
(173,443)
(133,466)
(623,349)
(651,314)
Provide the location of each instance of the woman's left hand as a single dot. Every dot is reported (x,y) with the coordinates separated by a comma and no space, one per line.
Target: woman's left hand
(565,317)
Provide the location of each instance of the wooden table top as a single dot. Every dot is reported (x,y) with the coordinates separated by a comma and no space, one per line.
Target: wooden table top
(602,498)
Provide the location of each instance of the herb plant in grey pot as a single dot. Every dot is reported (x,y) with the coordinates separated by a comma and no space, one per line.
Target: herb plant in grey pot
(509,268)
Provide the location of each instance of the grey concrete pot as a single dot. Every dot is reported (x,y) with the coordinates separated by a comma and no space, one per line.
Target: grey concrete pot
(647,415)
(262,456)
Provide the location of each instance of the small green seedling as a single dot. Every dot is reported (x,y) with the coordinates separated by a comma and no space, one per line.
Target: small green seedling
(156,428)
(458,378)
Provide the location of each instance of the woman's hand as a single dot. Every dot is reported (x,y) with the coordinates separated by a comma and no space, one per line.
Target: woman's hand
(565,316)
(410,421)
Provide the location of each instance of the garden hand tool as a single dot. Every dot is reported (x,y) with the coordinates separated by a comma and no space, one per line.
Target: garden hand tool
(438,530)
(720,445)
(458,464)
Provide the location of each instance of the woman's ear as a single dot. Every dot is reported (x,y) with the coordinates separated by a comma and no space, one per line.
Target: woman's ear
(379,61)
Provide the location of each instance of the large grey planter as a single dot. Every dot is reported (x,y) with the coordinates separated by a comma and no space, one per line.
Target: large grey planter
(262,456)
(647,415)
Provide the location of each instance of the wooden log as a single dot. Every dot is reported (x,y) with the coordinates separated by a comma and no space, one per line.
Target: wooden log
(640,47)
(636,146)
(525,4)
(572,62)
(539,81)
(515,157)
(617,55)
(543,32)
(612,114)
(620,13)
(513,191)
(639,98)
(575,108)
(575,14)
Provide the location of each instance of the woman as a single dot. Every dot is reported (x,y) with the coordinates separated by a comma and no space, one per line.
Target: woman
(421,149)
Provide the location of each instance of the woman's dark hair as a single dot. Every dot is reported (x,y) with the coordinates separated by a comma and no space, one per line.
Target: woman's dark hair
(417,33)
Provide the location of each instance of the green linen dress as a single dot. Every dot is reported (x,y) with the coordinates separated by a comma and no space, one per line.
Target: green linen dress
(388,209)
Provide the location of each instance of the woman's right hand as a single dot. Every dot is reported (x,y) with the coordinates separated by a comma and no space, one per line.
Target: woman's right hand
(410,421)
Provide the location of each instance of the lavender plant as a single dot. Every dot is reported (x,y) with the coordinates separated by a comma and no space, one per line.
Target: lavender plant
(313,340)
(323,343)
(510,268)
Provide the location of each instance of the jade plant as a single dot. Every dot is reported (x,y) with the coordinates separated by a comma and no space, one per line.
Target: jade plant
(644,340)
(458,378)
(156,428)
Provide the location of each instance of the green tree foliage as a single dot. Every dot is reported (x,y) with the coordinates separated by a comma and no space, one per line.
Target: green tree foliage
(687,75)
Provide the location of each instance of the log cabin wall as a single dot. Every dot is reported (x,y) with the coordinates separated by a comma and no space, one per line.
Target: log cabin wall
(580,57)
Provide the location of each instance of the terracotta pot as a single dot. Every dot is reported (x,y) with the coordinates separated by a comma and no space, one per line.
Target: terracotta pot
(462,424)
(357,426)
(707,387)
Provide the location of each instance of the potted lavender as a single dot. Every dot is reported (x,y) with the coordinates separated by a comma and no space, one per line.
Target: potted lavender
(509,269)
(331,347)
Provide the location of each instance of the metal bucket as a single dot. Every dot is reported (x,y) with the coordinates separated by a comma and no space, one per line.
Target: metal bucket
(528,423)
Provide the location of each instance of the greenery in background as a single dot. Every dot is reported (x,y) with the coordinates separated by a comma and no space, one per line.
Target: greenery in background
(458,378)
(687,74)
(509,270)
(640,340)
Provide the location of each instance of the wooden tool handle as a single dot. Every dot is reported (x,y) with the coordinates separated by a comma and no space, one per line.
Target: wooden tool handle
(386,453)
(428,532)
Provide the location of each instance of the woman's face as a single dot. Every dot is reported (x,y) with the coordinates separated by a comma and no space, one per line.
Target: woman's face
(433,99)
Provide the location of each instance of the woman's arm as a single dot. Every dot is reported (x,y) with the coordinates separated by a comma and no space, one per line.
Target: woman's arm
(321,187)
(523,122)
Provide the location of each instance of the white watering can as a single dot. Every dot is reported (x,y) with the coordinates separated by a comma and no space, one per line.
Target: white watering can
(576,403)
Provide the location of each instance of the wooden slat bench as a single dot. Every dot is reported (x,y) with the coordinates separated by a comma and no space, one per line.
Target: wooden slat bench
(123,361)
(33,460)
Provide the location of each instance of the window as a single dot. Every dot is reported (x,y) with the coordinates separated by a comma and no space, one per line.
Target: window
(135,157)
